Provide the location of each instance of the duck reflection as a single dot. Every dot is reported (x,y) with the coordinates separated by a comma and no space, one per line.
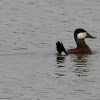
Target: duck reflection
(60,64)
(60,60)
(81,64)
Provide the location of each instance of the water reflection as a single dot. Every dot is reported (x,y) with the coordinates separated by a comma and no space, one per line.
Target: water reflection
(60,63)
(80,60)
(81,63)
(60,60)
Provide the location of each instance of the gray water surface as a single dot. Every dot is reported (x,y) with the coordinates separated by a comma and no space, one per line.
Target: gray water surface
(29,66)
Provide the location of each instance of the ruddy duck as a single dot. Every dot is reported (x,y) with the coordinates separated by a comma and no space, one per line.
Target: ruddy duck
(82,48)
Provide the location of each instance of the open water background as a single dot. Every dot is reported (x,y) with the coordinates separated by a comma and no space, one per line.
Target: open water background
(29,66)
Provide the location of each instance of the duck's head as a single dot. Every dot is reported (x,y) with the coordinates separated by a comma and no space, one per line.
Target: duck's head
(81,34)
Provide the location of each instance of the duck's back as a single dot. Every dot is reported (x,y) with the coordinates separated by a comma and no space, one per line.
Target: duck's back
(79,51)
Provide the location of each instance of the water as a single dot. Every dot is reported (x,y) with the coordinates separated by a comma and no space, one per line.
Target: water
(29,66)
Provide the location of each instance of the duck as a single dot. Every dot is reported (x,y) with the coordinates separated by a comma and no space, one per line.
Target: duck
(82,48)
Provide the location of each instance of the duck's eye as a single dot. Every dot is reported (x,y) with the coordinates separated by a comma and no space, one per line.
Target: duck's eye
(82,35)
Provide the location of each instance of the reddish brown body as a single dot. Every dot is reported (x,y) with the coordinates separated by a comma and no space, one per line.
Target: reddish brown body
(79,51)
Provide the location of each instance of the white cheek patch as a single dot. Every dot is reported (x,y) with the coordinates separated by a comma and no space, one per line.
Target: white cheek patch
(82,35)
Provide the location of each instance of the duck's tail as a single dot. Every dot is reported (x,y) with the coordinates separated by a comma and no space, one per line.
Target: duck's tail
(60,48)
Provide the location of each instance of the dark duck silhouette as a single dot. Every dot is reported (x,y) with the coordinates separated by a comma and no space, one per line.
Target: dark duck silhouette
(82,48)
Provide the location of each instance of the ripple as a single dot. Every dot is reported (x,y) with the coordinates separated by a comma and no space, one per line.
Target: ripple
(20,48)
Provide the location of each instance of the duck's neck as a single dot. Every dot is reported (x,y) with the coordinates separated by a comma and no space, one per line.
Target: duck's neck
(81,44)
